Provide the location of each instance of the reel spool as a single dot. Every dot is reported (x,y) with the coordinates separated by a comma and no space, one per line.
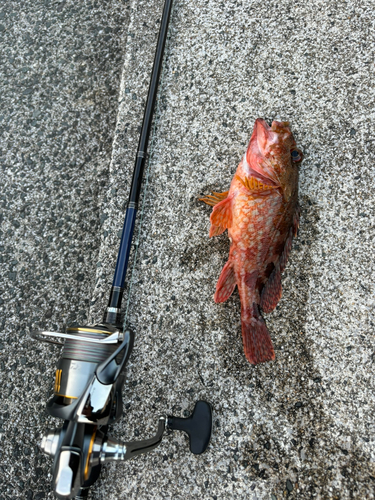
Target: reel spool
(84,350)
(77,366)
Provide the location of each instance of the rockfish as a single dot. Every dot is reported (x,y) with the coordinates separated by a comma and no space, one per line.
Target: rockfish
(261,213)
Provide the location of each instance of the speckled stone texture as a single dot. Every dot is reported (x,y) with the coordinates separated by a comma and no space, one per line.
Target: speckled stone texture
(300,427)
(60,70)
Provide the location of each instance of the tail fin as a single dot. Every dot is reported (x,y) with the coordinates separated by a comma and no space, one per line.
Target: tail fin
(256,339)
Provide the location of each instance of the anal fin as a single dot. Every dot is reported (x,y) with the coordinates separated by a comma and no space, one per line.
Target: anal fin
(226,283)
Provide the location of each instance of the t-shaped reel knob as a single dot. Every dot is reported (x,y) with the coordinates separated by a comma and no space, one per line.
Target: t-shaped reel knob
(198,426)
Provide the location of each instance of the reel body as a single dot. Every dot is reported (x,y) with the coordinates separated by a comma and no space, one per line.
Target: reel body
(87,396)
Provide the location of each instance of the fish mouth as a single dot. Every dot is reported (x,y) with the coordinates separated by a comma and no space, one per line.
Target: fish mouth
(262,128)
(280,127)
(266,142)
(257,155)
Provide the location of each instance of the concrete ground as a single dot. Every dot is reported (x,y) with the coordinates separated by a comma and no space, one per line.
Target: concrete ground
(300,427)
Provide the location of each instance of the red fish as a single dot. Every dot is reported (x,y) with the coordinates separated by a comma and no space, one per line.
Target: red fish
(261,213)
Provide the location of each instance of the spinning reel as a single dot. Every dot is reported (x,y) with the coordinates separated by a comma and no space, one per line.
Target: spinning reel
(88,397)
(90,373)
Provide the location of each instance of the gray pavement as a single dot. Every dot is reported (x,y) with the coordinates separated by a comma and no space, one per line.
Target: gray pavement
(301,427)
(60,70)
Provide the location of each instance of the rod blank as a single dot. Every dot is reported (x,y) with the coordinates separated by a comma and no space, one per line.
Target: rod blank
(112,314)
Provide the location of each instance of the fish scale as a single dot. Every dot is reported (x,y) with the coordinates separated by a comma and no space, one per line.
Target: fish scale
(261,213)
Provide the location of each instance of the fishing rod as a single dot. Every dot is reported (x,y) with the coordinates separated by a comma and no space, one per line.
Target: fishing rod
(90,372)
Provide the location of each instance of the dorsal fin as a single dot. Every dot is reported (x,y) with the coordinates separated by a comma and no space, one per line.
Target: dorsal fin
(286,251)
(296,220)
(272,291)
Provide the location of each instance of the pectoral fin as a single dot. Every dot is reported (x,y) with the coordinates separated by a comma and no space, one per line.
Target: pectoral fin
(221,217)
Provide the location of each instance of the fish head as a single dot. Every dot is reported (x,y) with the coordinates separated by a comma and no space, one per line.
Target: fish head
(272,154)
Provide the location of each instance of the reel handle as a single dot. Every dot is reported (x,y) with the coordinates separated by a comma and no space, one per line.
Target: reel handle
(198,426)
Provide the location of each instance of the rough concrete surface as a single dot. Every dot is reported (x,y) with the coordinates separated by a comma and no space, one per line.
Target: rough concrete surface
(300,427)
(60,69)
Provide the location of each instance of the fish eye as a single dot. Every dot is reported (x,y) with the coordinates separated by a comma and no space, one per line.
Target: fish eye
(296,155)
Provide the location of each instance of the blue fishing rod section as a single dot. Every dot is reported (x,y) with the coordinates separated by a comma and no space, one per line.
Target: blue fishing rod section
(112,314)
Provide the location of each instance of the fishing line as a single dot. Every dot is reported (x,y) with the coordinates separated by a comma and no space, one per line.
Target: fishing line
(145,190)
